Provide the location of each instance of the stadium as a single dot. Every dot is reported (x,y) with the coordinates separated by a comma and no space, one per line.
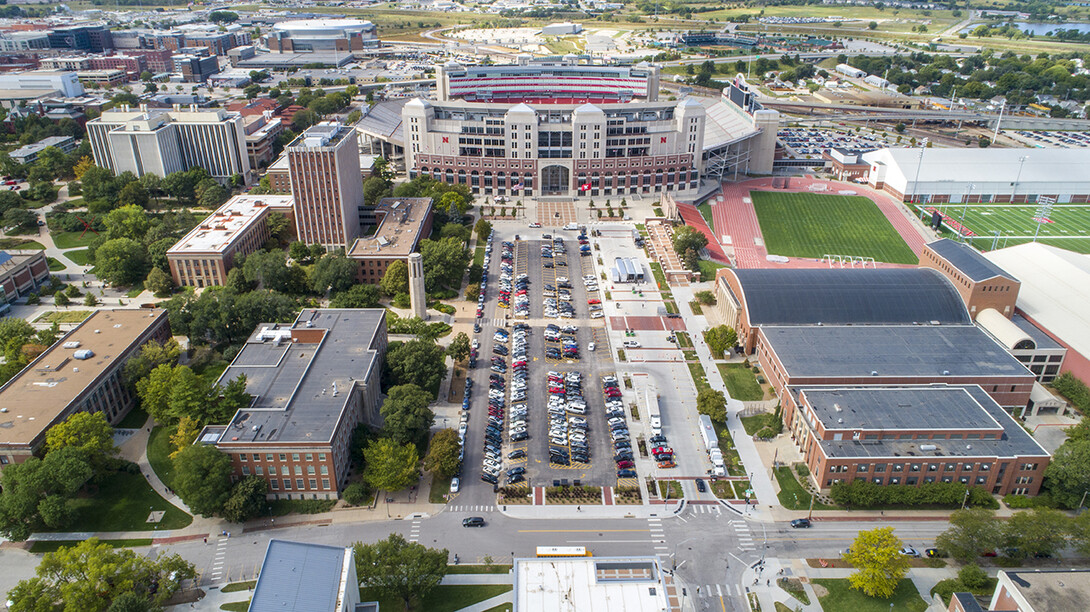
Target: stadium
(569,127)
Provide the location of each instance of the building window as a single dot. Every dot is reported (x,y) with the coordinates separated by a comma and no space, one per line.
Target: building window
(275,484)
(1026,467)
(299,483)
(242,457)
(324,469)
(260,471)
(245,470)
(287,484)
(295,456)
(862,467)
(310,470)
(269,457)
(257,457)
(325,483)
(283,457)
(897,467)
(313,483)
(310,457)
(915,467)
(950,467)
(298,470)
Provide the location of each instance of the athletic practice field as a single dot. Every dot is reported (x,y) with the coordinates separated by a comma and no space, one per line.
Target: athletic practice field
(1070,227)
(813,225)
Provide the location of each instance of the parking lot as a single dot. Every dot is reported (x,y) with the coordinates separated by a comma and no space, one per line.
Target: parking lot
(545,361)
(1045,139)
(803,143)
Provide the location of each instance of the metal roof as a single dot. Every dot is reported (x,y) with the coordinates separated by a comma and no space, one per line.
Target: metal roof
(856,297)
(384,120)
(968,260)
(901,351)
(300,577)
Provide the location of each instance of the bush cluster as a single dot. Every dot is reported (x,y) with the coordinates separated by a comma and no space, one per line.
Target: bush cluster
(864,494)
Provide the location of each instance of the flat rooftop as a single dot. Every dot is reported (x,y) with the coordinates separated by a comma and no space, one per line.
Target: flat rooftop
(34,399)
(968,260)
(222,228)
(400,223)
(324,134)
(1052,590)
(924,351)
(301,374)
(971,411)
(601,584)
(300,577)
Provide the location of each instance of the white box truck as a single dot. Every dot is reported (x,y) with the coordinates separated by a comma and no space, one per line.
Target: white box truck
(654,417)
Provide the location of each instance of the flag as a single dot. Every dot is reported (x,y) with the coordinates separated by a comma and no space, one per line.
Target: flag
(516,187)
(584,187)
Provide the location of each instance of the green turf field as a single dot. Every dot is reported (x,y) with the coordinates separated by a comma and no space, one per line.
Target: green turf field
(1070,227)
(813,225)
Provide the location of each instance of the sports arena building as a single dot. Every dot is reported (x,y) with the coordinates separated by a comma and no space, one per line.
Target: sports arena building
(321,35)
(564,126)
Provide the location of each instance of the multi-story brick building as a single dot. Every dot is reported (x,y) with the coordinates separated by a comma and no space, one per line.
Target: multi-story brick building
(80,373)
(194,68)
(313,381)
(22,272)
(204,256)
(885,355)
(981,283)
(401,223)
(133,65)
(324,165)
(912,436)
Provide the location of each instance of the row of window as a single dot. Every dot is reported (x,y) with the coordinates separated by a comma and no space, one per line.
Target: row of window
(274,484)
(911,480)
(282,456)
(930,467)
(284,471)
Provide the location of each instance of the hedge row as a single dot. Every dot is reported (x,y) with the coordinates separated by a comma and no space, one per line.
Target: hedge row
(864,494)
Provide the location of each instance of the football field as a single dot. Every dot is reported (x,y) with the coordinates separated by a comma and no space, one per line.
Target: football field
(813,225)
(1069,227)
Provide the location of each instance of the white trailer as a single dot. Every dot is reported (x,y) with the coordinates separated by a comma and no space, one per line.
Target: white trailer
(654,416)
(711,442)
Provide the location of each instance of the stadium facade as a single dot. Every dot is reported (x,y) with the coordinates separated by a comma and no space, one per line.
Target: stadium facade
(563,126)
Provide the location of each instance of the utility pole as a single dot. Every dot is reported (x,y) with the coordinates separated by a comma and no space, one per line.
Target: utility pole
(1017,177)
(965,211)
(999,121)
(810,512)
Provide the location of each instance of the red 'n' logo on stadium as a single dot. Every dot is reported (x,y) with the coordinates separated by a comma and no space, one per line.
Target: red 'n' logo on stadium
(663,141)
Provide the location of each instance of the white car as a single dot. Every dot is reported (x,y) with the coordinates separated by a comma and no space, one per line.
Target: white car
(535,225)
(631,344)
(455,483)
(597,314)
(590,347)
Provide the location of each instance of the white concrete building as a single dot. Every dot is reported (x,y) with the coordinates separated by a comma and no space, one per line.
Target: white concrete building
(65,83)
(161,142)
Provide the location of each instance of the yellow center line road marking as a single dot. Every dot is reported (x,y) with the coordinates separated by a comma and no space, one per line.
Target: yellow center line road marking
(583,530)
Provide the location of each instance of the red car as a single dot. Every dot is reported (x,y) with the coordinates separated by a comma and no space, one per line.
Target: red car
(658,450)
(594,301)
(625,464)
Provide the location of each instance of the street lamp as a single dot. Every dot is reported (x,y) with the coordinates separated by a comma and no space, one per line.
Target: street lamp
(919,163)
(1021,162)
(673,557)
(965,210)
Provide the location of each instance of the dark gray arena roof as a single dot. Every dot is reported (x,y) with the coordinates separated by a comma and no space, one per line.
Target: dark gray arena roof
(847,296)
(968,260)
(296,576)
(889,351)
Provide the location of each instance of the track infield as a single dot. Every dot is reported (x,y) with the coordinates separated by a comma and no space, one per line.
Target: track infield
(813,225)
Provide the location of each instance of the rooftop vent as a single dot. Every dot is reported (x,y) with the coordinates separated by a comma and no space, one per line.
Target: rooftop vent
(71,345)
(837,408)
(874,372)
(84,354)
(946,372)
(928,447)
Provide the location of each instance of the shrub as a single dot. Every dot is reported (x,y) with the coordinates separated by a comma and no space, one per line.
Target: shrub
(863,494)
(356,494)
(1073,389)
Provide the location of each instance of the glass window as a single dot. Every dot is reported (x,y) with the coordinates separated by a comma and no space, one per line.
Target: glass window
(310,470)
(324,470)
(245,470)
(325,483)
(243,457)
(298,483)
(310,457)
(257,457)
(283,457)
(284,470)
(287,484)
(313,483)
(275,484)
(269,457)
(295,456)
(298,470)
(260,471)
(321,456)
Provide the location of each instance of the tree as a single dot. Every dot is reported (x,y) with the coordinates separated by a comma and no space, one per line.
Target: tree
(712,403)
(390,466)
(269,270)
(453,203)
(445,263)
(184,434)
(876,555)
(93,576)
(443,452)
(396,278)
(455,231)
(972,532)
(158,282)
(686,237)
(149,357)
(202,478)
(359,296)
(420,362)
(133,194)
(354,117)
(212,196)
(304,119)
(39,492)
(1068,474)
(89,433)
(483,229)
(334,272)
(721,338)
(247,500)
(401,569)
(1080,533)
(90,300)
(458,349)
(189,396)
(873,25)
(1037,532)
(19,218)
(60,299)
(374,189)
(154,392)
(299,252)
(98,183)
(405,413)
(222,16)
(121,261)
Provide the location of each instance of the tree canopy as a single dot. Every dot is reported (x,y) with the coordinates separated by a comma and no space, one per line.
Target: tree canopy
(87,432)
(406,415)
(419,362)
(972,532)
(202,478)
(401,569)
(880,566)
(445,262)
(390,466)
(443,451)
(1067,476)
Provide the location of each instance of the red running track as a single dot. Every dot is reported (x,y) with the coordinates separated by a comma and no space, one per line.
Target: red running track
(735,217)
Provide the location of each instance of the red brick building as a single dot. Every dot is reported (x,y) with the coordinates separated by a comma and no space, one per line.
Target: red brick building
(912,436)
(981,283)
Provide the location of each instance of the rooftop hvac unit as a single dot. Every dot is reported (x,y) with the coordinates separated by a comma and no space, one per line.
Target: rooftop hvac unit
(84,354)
(928,447)
(71,344)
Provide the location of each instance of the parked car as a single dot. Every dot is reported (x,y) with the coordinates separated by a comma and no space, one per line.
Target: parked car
(473,521)
(800,523)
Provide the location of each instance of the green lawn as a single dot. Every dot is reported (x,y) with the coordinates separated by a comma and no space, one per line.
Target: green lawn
(706,212)
(905,599)
(122,503)
(440,487)
(64,316)
(237,606)
(478,255)
(44,546)
(700,381)
(70,240)
(792,495)
(159,454)
(708,268)
(136,290)
(134,419)
(812,225)
(753,424)
(82,257)
(234,587)
(55,264)
(741,382)
(670,489)
(21,243)
(442,599)
(495,568)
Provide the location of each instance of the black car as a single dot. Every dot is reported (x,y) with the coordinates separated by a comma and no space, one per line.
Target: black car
(800,523)
(700,486)
(474,521)
(490,479)
(519,437)
(516,454)
(476,327)
(517,478)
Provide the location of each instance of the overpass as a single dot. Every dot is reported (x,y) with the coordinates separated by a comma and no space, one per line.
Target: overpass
(830,112)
